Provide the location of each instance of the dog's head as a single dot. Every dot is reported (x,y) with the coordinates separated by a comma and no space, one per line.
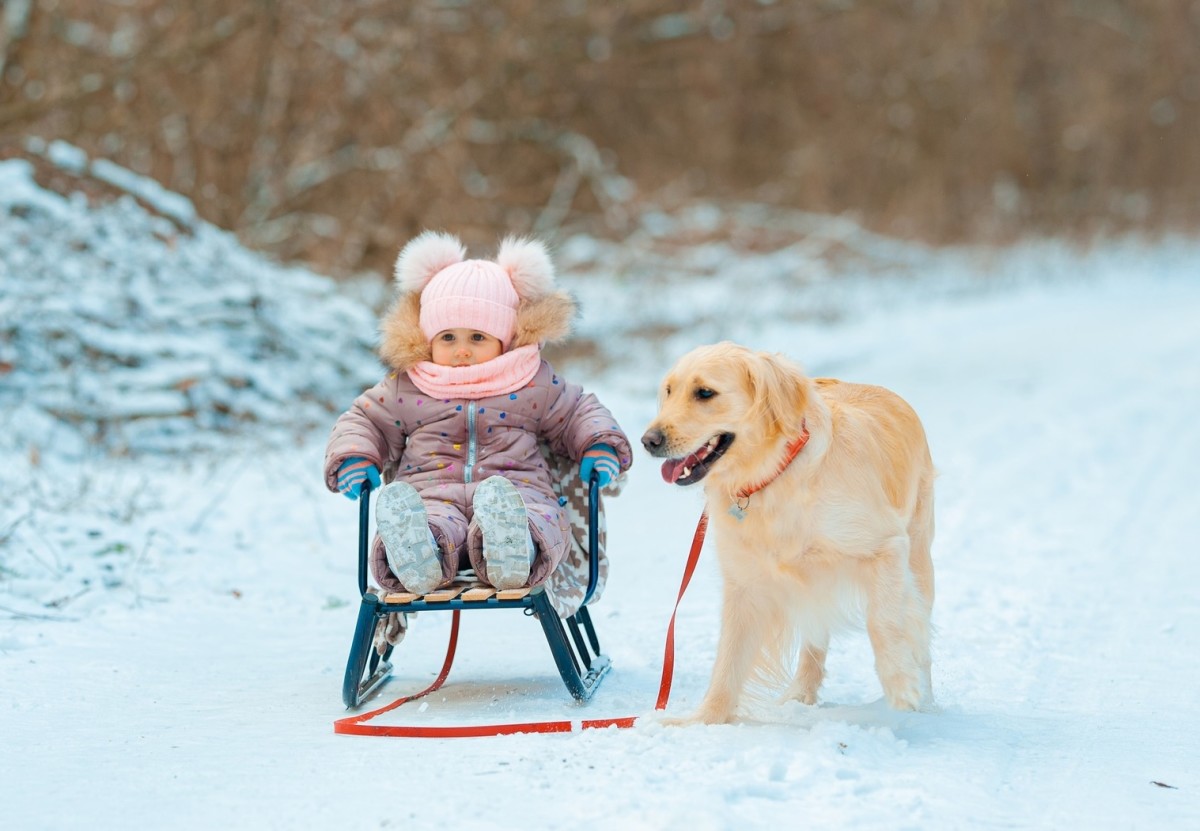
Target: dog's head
(721,407)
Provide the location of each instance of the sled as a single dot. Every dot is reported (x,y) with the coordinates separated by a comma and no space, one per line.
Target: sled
(559,604)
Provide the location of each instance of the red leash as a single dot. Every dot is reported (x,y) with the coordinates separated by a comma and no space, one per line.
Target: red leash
(356,726)
(664,687)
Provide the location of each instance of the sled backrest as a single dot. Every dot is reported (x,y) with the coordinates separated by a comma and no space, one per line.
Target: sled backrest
(575,582)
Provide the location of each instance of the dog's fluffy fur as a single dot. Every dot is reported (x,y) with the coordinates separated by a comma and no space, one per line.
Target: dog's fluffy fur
(845,528)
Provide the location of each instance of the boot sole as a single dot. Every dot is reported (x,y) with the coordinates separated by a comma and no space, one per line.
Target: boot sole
(407,540)
(500,514)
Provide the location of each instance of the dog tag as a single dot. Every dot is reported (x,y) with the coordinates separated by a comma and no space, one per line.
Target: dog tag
(737,512)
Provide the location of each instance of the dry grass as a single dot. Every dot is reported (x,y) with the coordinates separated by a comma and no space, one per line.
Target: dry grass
(330,132)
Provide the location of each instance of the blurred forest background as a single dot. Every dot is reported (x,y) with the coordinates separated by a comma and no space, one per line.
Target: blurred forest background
(330,131)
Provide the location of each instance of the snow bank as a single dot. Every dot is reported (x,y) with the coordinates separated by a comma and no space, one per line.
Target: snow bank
(131,326)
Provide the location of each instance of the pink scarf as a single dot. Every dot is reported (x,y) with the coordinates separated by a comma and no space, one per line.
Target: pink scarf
(506,373)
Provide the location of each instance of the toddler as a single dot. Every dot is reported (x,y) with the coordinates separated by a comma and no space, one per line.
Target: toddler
(455,427)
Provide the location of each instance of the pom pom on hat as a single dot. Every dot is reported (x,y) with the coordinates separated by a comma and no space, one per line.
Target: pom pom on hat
(529,266)
(424,257)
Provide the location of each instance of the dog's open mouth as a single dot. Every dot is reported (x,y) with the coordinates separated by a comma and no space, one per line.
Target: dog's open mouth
(693,467)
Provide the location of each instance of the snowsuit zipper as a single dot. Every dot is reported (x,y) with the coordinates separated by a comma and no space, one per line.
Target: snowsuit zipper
(472,439)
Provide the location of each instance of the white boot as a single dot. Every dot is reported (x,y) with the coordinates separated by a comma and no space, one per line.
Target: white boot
(412,552)
(507,544)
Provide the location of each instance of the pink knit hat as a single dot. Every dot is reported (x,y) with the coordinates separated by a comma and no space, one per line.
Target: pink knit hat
(457,293)
(475,294)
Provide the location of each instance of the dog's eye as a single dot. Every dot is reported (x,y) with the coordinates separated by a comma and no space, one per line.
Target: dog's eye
(704,393)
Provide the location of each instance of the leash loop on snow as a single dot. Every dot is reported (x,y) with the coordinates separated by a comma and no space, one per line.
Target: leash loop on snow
(353,725)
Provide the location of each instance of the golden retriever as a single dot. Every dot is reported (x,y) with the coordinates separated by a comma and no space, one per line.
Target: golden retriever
(844,528)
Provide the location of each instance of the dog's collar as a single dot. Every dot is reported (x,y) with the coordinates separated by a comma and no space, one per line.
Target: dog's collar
(738,509)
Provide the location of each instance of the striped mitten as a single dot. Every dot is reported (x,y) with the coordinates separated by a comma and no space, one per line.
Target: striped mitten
(603,459)
(353,472)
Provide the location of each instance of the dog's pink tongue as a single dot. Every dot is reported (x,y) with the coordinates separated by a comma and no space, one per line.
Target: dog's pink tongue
(672,469)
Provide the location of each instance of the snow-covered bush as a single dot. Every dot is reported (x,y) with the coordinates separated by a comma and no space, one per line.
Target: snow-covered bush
(130,326)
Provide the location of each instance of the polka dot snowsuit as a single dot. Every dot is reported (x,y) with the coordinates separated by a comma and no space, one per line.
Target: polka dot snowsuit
(445,448)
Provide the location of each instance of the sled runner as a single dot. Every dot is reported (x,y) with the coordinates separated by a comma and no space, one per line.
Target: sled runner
(559,604)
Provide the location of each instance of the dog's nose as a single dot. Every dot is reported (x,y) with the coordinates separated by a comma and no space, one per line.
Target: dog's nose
(653,440)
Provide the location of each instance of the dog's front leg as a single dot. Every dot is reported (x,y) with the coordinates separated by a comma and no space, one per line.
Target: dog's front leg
(738,647)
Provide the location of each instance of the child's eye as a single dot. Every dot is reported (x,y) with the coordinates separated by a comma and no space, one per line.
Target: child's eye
(477,337)
(448,338)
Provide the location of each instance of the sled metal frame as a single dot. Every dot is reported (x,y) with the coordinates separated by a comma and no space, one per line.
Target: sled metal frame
(573,642)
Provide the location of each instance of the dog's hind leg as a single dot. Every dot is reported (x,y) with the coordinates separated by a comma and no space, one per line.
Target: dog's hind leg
(920,535)
(920,561)
(898,626)
(811,670)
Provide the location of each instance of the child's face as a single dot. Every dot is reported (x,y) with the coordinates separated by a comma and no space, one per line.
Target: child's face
(464,347)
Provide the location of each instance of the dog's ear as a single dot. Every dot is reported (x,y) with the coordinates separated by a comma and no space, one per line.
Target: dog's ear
(780,391)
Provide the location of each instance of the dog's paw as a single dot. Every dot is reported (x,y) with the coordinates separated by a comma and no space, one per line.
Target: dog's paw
(805,695)
(903,692)
(701,716)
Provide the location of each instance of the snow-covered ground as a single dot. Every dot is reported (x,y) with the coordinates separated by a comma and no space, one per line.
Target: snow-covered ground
(187,670)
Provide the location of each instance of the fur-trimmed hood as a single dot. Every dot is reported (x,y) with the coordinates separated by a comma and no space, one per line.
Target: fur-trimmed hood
(544,314)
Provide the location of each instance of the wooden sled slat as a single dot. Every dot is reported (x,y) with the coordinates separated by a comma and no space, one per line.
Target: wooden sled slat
(442,595)
(401,597)
(512,594)
(478,593)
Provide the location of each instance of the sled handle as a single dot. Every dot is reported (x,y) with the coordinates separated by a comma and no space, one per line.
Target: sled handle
(364,523)
(593,536)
